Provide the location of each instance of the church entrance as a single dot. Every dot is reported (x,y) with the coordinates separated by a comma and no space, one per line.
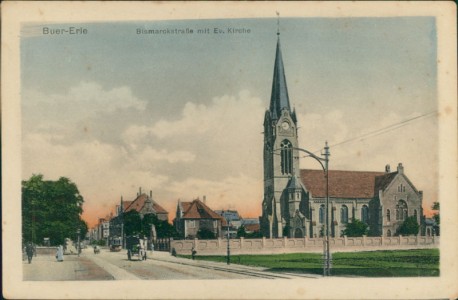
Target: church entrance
(298,233)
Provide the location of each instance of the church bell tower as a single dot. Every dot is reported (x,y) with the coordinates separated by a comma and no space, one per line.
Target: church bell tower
(280,154)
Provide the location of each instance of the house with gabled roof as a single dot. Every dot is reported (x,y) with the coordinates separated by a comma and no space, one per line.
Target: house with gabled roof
(145,204)
(194,216)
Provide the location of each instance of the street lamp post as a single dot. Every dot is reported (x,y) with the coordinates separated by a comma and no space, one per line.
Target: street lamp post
(325,166)
(78,249)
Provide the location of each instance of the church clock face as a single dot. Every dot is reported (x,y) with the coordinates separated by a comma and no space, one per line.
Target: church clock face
(285,125)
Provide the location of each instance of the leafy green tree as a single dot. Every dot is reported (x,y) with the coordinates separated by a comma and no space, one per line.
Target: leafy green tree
(286,230)
(254,235)
(356,228)
(51,209)
(436,215)
(241,232)
(163,228)
(205,234)
(409,226)
(132,223)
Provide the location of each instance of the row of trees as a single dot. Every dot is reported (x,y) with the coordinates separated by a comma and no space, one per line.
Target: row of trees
(51,209)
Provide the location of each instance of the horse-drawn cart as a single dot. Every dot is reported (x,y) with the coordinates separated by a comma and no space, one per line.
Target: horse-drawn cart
(136,247)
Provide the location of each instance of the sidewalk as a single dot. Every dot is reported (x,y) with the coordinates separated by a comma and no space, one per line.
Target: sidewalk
(46,268)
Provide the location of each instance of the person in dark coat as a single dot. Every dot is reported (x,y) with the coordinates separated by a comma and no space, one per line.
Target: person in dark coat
(29,250)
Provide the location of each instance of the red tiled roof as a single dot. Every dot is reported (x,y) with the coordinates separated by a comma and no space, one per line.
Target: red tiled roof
(125,205)
(185,206)
(252,227)
(139,203)
(382,182)
(198,210)
(342,184)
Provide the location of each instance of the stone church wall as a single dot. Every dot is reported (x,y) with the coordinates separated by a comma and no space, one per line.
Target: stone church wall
(286,245)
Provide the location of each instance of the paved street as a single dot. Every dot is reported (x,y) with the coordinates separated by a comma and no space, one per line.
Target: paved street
(159,266)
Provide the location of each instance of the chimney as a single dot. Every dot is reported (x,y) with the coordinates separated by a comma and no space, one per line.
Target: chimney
(400,168)
(387,168)
(205,199)
(151,194)
(140,191)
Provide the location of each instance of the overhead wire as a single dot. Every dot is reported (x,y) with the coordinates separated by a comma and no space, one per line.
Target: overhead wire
(382,130)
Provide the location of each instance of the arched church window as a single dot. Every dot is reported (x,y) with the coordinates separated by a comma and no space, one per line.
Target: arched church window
(365,214)
(415,213)
(322,216)
(344,214)
(388,233)
(401,210)
(388,215)
(286,157)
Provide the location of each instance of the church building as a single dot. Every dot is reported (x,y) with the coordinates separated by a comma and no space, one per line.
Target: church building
(294,200)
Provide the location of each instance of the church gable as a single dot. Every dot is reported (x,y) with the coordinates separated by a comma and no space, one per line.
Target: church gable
(397,183)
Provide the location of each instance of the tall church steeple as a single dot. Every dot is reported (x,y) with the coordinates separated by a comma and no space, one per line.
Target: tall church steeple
(279,98)
(280,155)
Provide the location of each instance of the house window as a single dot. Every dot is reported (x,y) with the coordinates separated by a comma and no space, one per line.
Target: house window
(191,223)
(286,157)
(215,223)
(365,214)
(322,209)
(344,214)
(388,215)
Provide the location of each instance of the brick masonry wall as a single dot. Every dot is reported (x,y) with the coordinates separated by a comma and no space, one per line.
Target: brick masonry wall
(285,245)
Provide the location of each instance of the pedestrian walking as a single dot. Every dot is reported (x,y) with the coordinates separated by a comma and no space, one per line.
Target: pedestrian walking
(60,253)
(29,249)
(193,253)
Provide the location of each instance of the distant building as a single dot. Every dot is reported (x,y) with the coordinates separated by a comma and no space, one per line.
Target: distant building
(431,227)
(233,222)
(103,228)
(252,228)
(194,216)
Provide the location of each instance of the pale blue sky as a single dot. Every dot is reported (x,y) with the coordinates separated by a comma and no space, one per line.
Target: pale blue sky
(182,114)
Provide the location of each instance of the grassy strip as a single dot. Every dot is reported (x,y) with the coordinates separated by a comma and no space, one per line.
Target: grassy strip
(386,263)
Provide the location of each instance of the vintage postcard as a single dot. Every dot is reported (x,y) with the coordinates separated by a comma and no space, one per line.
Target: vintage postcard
(252,150)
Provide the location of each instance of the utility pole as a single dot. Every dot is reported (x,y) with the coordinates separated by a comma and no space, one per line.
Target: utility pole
(228,245)
(326,167)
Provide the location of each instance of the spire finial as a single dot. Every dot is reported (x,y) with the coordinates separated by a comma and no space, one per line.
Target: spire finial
(278,23)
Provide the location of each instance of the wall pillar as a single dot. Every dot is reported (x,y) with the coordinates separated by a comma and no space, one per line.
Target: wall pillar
(400,239)
(241,242)
(345,240)
(364,240)
(285,241)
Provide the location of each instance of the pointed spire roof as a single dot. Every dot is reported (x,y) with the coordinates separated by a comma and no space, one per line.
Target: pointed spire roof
(279,98)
